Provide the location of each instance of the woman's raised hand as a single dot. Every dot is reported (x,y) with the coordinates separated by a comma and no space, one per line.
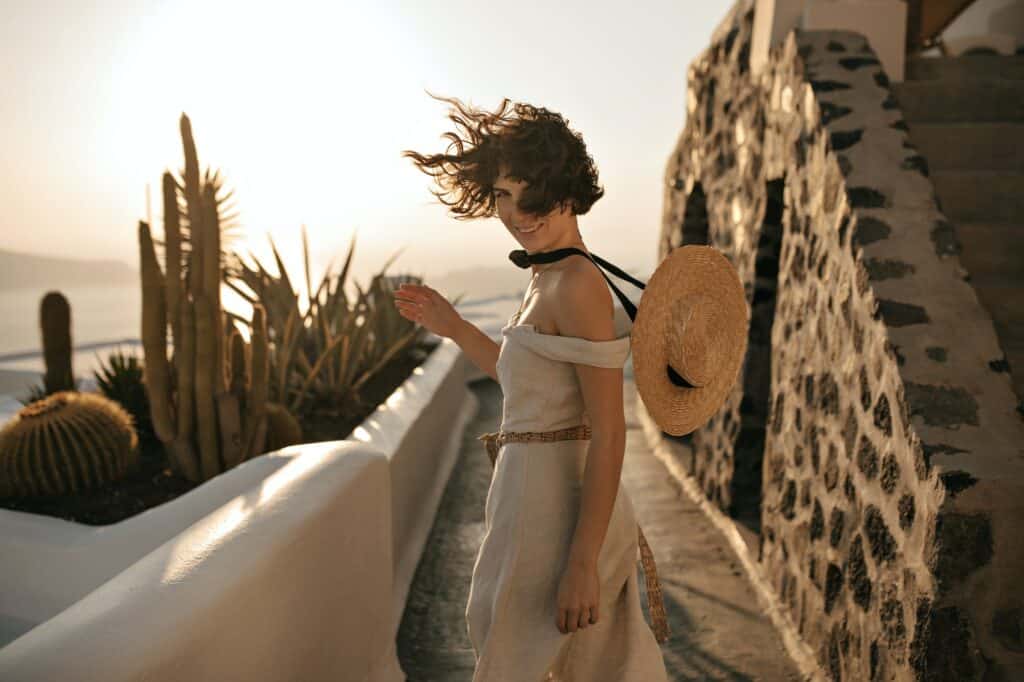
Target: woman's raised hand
(425,306)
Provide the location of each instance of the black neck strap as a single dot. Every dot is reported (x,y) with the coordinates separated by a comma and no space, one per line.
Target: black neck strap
(524,260)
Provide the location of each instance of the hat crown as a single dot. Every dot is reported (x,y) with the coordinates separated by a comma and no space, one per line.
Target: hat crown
(692,339)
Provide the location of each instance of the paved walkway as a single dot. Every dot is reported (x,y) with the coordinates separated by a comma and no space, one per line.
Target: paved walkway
(718,633)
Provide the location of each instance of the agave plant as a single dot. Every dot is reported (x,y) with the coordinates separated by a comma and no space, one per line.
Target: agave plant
(323,355)
(120,378)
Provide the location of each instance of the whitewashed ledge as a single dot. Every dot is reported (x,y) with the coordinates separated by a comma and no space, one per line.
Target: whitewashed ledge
(293,566)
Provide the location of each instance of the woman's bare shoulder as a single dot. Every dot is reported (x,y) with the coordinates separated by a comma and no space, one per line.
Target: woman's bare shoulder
(582,302)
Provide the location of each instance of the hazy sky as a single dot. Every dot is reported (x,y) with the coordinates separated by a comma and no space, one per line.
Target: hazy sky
(306,110)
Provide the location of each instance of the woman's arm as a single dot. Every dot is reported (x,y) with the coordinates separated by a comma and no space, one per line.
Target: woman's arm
(426,306)
(584,309)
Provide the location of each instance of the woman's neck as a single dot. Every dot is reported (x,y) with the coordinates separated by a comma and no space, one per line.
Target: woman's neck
(574,240)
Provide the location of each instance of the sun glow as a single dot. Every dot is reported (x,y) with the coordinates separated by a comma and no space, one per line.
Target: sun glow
(305,112)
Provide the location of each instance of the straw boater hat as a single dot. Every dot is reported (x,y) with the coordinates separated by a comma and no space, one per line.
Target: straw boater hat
(689,337)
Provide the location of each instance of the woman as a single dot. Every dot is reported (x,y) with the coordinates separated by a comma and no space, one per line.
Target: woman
(554,593)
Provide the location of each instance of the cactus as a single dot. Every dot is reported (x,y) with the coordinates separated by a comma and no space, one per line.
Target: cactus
(283,429)
(208,418)
(69,442)
(55,325)
(120,378)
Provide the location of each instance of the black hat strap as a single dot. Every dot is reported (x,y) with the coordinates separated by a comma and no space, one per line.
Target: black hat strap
(524,260)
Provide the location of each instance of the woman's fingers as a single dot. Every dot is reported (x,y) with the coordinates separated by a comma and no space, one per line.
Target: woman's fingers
(410,295)
(571,620)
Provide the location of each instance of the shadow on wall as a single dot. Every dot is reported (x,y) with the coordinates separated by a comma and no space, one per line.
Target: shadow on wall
(746,482)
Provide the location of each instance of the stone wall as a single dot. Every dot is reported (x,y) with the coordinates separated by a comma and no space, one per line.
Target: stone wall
(880,418)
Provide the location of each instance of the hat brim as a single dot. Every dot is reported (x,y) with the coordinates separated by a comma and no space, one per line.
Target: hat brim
(688,270)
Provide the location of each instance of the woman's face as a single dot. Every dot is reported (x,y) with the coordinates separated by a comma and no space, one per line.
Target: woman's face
(529,230)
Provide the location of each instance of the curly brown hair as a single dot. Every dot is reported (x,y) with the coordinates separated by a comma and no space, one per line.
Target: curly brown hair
(534,144)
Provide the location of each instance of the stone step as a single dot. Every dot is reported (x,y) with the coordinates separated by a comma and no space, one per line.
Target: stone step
(991,249)
(977,66)
(980,196)
(982,99)
(970,146)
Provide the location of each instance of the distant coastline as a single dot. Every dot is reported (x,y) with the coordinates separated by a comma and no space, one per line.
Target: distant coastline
(33,271)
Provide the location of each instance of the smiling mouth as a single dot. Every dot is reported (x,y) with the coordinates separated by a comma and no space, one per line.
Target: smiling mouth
(528,230)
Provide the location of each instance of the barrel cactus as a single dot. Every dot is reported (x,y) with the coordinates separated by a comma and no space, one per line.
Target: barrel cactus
(68,442)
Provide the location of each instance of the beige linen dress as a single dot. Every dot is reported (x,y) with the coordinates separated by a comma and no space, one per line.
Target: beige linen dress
(529,520)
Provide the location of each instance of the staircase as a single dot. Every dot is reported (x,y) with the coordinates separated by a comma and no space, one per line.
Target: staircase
(966,116)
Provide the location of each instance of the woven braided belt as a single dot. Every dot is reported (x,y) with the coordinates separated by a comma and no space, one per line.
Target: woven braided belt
(655,604)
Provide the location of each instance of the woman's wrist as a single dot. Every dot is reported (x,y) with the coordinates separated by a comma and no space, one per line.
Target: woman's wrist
(582,556)
(460,330)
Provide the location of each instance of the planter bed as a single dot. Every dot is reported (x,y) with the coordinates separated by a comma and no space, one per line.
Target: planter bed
(243,576)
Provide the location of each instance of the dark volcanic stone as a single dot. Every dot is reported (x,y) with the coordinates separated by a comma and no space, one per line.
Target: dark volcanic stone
(916,162)
(1000,365)
(845,165)
(827,86)
(883,268)
(834,46)
(831,474)
(833,586)
(817,521)
(936,353)
(918,646)
(883,417)
(857,574)
(947,651)
(906,507)
(815,447)
(957,481)
(828,394)
(965,545)
(891,613)
(831,112)
(777,412)
(788,505)
(865,389)
(870,230)
(834,662)
(883,546)
(865,197)
(890,473)
(844,139)
(852,63)
(835,523)
(867,458)
(942,405)
(898,314)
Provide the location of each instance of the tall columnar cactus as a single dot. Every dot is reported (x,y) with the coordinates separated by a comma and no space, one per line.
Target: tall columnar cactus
(68,442)
(55,325)
(208,419)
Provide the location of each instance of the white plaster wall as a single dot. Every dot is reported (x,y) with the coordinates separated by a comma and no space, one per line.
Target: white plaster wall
(985,17)
(287,581)
(64,582)
(882,22)
(419,428)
